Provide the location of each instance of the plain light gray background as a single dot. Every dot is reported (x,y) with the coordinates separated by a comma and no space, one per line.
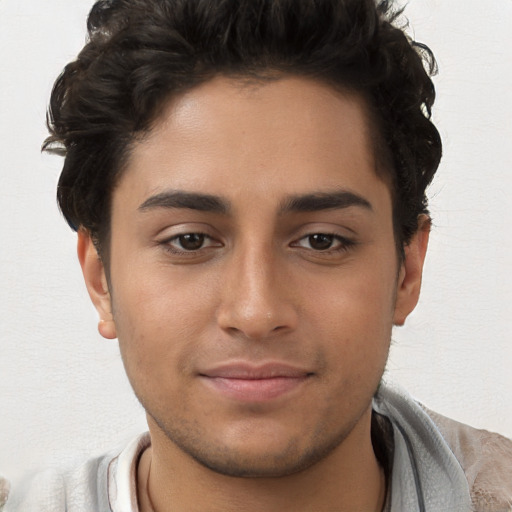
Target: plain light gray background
(63,393)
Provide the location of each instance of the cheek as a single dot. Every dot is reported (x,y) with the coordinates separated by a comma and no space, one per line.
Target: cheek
(159,317)
(354,313)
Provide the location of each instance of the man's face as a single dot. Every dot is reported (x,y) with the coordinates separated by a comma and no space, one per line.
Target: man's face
(254,274)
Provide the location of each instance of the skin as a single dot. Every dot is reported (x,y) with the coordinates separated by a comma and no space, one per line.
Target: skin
(263,286)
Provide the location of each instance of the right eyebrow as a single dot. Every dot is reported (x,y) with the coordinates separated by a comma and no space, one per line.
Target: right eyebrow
(189,200)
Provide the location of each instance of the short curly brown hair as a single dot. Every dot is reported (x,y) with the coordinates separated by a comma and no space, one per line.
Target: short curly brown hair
(141,52)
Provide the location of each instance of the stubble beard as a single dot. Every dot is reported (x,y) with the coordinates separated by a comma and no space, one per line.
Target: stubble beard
(228,461)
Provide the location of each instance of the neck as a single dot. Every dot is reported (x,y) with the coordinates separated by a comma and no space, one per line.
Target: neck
(348,479)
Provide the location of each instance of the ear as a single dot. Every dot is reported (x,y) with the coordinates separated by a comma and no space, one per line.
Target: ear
(96,282)
(411,270)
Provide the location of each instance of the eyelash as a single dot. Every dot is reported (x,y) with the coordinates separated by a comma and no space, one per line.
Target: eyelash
(173,250)
(345,244)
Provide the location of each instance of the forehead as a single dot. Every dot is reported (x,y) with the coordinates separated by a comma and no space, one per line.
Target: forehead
(256,141)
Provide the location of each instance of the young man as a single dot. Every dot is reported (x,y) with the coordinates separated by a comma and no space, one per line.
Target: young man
(247,179)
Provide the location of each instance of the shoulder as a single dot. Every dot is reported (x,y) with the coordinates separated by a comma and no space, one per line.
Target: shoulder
(56,491)
(450,460)
(106,483)
(425,474)
(5,487)
(486,459)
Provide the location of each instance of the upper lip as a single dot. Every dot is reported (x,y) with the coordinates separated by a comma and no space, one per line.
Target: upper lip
(244,370)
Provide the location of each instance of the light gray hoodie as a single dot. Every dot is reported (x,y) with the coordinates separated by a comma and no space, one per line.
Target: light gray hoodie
(438,465)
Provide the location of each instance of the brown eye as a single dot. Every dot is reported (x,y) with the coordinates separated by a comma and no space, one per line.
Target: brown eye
(191,241)
(320,241)
(191,244)
(330,244)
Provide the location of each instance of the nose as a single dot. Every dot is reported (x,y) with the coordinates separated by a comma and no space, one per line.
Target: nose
(257,300)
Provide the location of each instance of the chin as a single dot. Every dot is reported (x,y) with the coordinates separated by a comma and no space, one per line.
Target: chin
(266,455)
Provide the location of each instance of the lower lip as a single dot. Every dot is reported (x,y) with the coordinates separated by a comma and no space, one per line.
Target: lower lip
(254,390)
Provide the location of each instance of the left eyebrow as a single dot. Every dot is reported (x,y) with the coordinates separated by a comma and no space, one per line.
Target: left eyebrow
(324,201)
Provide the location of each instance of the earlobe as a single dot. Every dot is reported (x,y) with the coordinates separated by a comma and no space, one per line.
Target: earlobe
(411,271)
(96,282)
